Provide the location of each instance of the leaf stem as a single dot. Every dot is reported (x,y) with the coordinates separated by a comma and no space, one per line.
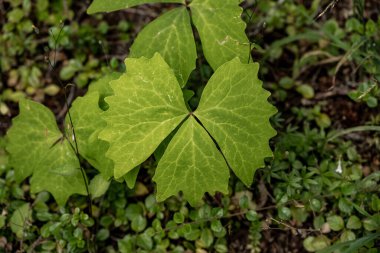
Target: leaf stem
(352,130)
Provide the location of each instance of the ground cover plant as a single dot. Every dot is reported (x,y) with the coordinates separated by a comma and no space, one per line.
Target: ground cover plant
(130,157)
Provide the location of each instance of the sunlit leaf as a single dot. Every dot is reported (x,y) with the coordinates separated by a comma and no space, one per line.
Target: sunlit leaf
(171,36)
(36,143)
(191,164)
(235,111)
(221,29)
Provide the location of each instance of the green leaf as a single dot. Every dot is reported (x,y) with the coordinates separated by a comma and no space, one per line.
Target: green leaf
(69,70)
(138,224)
(347,235)
(345,205)
(235,111)
(207,237)
(103,234)
(137,125)
(133,211)
(114,5)
(126,244)
(354,222)
(170,35)
(87,122)
(306,91)
(20,219)
(284,213)
(30,137)
(336,222)
(98,186)
(221,30)
(37,147)
(216,226)
(145,241)
(191,164)
(312,243)
(61,167)
(178,218)
(372,223)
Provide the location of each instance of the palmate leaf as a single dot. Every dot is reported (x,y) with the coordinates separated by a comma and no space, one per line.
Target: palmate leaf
(235,111)
(221,29)
(114,5)
(147,105)
(37,148)
(171,36)
(191,164)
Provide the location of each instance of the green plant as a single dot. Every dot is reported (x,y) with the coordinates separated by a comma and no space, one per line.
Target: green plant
(145,105)
(33,32)
(317,189)
(367,92)
(317,179)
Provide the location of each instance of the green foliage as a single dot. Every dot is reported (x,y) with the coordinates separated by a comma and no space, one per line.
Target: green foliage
(139,126)
(334,195)
(86,124)
(191,164)
(20,219)
(110,5)
(116,134)
(320,188)
(220,27)
(367,92)
(171,36)
(221,30)
(136,125)
(235,111)
(48,32)
(47,154)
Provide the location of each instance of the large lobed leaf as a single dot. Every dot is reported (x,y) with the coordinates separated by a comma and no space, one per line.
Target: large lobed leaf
(191,164)
(171,36)
(33,132)
(37,148)
(147,105)
(114,5)
(235,111)
(221,29)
